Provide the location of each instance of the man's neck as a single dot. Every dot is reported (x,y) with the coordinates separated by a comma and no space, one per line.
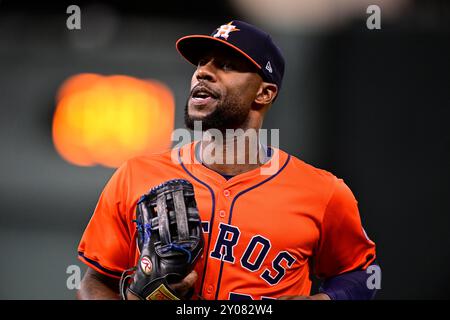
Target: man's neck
(232,155)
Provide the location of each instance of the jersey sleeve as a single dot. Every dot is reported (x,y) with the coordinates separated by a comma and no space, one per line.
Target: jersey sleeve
(105,244)
(343,245)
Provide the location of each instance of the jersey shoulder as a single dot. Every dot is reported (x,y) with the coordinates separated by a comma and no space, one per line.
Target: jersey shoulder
(319,180)
(300,167)
(141,172)
(156,162)
(306,177)
(150,159)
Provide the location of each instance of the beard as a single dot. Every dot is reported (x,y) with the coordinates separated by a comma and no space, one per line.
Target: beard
(229,114)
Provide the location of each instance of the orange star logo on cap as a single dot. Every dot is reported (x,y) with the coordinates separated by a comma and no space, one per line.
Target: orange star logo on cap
(224,30)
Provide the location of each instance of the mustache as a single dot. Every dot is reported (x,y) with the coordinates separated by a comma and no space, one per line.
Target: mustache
(202,87)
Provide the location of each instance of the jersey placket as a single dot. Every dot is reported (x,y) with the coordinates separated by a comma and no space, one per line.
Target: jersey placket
(216,250)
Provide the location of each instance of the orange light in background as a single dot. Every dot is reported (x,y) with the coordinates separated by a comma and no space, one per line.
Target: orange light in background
(108,119)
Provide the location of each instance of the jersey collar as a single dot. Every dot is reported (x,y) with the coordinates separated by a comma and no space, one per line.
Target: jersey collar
(189,157)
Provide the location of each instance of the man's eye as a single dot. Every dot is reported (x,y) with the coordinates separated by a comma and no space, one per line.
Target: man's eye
(227,66)
(202,62)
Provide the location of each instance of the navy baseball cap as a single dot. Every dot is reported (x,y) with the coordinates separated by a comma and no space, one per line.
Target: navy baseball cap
(249,41)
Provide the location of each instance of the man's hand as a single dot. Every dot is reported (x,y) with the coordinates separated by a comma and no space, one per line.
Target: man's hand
(181,288)
(319,296)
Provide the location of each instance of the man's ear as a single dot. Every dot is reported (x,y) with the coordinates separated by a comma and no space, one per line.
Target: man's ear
(266,93)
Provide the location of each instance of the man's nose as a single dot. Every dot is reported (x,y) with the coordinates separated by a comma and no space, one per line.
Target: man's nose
(206,71)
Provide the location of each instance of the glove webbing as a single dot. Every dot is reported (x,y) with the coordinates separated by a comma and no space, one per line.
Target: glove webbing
(164,216)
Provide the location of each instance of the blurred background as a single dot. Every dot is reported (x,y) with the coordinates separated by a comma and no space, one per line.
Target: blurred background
(369,105)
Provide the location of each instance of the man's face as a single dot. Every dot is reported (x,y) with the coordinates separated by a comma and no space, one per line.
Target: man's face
(223,89)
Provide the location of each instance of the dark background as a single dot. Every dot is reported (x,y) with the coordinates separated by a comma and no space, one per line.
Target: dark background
(371,106)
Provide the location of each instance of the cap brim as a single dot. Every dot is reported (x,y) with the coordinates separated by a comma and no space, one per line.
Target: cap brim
(194,46)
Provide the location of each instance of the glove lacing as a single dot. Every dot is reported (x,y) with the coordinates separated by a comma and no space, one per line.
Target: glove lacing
(123,284)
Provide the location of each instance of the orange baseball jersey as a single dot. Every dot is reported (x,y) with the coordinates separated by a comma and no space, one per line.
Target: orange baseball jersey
(264,234)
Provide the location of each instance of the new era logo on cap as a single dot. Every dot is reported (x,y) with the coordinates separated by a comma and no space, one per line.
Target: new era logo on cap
(252,43)
(268,67)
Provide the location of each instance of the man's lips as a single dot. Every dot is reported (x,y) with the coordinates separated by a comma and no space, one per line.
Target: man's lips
(201,91)
(201,100)
(202,95)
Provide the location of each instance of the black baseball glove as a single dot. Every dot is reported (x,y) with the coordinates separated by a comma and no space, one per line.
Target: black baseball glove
(170,240)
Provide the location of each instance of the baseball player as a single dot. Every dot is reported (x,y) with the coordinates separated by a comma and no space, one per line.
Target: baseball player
(265,232)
